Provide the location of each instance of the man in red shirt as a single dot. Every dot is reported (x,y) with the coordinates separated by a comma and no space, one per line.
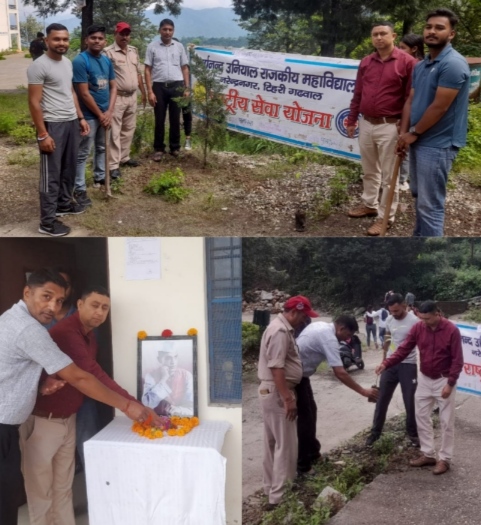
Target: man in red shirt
(441,359)
(382,86)
(47,438)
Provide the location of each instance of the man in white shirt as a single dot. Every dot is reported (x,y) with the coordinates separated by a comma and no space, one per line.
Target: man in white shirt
(398,325)
(319,342)
(167,78)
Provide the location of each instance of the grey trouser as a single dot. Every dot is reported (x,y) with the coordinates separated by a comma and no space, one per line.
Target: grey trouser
(280,443)
(57,169)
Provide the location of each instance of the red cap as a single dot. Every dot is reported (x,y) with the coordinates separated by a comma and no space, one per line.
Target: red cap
(122,26)
(299,302)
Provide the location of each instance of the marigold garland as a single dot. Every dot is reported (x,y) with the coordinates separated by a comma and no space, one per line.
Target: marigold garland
(167,333)
(141,335)
(171,426)
(192,331)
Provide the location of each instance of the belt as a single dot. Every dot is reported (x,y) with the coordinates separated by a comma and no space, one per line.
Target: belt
(125,93)
(49,415)
(7,425)
(381,120)
(174,83)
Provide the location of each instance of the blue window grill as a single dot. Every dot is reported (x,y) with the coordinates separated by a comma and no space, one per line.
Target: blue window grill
(224,296)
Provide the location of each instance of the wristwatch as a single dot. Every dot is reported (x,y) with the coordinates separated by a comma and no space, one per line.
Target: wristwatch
(413,131)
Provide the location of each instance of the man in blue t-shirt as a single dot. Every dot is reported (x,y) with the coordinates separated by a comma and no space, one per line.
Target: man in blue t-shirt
(434,122)
(94,81)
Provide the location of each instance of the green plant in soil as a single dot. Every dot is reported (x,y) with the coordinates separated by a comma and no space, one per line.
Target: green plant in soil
(168,185)
(207,101)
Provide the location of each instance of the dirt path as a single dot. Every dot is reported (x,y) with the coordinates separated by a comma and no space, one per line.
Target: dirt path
(342,413)
(237,195)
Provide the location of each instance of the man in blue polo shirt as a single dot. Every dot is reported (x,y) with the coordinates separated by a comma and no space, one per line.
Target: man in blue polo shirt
(434,122)
(94,81)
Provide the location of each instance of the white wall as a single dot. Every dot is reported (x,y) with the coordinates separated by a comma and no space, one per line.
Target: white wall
(176,301)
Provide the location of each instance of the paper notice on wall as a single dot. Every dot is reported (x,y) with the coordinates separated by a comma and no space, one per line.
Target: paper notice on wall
(142,259)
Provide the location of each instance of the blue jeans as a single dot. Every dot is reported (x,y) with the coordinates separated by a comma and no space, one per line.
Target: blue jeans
(429,169)
(97,136)
(371,331)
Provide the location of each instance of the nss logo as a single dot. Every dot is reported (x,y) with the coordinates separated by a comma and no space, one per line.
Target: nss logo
(341,123)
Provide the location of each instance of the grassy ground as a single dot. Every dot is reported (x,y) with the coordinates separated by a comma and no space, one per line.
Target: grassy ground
(347,469)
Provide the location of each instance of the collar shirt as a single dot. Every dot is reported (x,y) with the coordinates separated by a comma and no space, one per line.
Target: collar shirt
(279,350)
(440,350)
(81,347)
(382,86)
(25,348)
(126,66)
(449,70)
(166,61)
(318,343)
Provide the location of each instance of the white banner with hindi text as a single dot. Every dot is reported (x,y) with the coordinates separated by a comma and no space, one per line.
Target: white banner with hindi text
(469,381)
(294,99)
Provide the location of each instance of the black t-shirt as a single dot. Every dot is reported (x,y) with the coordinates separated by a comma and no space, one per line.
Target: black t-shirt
(37,47)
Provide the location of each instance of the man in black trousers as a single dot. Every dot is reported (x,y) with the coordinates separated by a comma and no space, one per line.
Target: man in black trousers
(166,77)
(398,325)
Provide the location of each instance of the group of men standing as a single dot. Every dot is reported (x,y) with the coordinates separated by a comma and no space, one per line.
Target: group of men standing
(289,410)
(79,105)
(405,104)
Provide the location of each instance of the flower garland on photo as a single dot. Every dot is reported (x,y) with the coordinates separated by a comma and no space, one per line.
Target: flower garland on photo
(170,426)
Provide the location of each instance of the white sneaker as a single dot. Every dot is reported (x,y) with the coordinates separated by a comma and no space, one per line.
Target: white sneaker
(404,186)
(188,144)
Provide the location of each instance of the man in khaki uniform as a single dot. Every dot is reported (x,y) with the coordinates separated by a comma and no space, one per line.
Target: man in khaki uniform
(279,371)
(125,60)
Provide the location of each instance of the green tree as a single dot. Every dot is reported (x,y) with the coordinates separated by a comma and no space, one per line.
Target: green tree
(285,32)
(342,23)
(29,28)
(207,100)
(90,7)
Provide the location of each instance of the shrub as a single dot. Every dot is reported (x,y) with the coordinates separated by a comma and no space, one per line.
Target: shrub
(23,134)
(8,122)
(251,338)
(168,185)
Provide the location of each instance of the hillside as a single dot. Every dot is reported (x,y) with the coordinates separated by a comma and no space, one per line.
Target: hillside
(214,22)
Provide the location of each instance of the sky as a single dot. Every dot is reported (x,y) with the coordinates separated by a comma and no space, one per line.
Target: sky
(192,4)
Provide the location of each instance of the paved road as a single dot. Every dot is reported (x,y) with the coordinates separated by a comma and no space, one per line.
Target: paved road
(416,497)
(13,71)
(342,413)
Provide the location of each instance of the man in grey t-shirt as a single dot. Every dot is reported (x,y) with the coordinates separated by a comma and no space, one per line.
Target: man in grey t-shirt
(59,122)
(25,349)
(398,325)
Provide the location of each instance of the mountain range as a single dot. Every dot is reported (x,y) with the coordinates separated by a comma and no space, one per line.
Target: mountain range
(209,23)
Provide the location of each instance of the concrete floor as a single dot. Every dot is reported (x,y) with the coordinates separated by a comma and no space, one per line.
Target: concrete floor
(79,499)
(13,71)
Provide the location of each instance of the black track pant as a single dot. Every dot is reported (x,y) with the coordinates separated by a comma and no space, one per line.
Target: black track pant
(11,482)
(309,447)
(406,374)
(57,169)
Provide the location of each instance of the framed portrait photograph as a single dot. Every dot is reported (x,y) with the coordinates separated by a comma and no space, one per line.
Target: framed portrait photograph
(167,374)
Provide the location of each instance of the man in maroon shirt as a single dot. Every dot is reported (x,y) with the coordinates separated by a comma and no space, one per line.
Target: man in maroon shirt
(441,358)
(382,86)
(48,436)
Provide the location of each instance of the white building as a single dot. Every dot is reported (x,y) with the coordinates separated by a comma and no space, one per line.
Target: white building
(9,25)
(193,283)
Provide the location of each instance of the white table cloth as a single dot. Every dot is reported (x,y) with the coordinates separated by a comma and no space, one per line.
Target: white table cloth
(132,480)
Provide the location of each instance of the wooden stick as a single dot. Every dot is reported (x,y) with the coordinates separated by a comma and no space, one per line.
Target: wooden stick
(107,166)
(390,195)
